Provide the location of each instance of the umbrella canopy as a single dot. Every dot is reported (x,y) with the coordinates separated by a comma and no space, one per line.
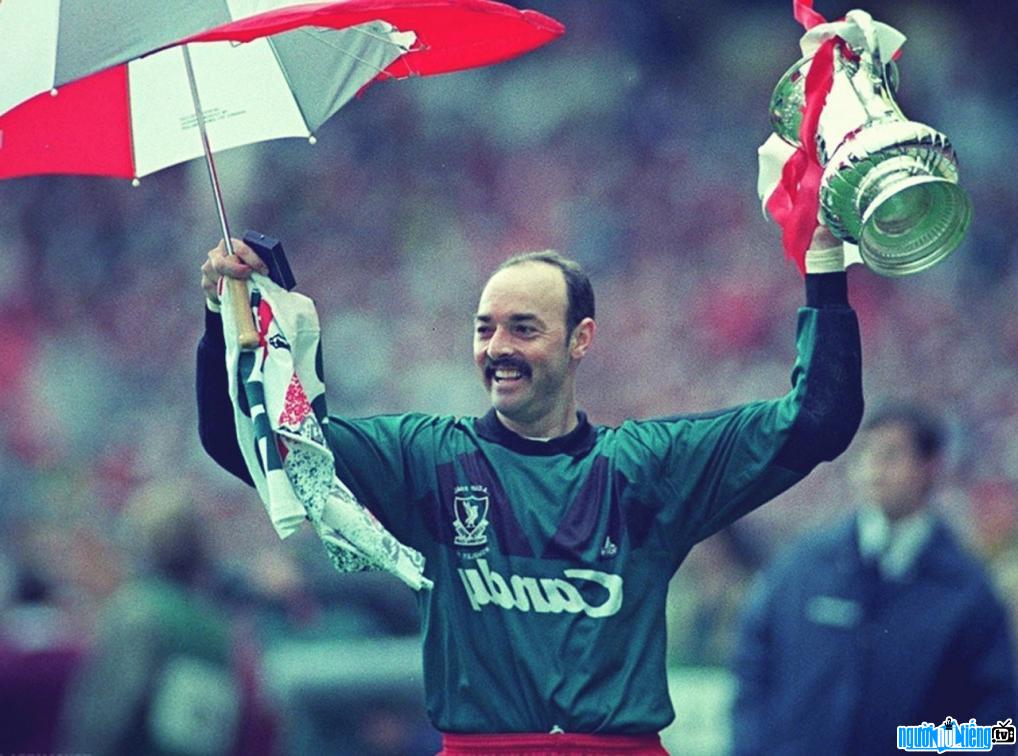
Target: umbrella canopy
(138,118)
(113,96)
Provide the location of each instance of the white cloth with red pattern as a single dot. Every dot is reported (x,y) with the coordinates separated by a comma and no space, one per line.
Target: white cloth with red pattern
(275,390)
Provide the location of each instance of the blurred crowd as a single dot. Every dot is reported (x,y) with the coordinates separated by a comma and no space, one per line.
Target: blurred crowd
(628,144)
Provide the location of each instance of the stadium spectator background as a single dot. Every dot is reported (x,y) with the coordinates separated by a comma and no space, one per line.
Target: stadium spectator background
(629,144)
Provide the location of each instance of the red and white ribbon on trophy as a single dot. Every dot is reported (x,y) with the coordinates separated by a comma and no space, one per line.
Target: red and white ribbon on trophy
(789,177)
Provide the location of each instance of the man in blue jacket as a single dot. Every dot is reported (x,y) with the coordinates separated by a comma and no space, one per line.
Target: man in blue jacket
(882,620)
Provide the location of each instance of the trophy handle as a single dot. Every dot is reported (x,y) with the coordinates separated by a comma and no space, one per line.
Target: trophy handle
(789,96)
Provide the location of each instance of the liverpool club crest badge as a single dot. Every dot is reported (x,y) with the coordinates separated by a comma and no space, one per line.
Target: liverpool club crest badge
(471,516)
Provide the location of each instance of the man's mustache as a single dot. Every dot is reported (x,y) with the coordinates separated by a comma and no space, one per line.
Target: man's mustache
(505,363)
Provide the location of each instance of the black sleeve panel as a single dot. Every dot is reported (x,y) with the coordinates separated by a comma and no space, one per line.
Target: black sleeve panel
(216,428)
(832,406)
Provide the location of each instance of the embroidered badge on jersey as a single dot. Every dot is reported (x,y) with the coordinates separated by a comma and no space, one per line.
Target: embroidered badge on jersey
(470,506)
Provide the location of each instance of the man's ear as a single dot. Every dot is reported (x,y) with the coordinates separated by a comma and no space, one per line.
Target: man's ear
(582,338)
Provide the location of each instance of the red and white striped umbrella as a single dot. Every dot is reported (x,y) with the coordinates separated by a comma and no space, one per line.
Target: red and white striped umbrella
(124,88)
(102,88)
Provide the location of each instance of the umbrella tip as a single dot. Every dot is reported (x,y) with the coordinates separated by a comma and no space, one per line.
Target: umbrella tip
(53,92)
(312,139)
(136,181)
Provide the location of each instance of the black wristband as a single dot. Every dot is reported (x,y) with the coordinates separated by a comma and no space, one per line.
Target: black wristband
(827,290)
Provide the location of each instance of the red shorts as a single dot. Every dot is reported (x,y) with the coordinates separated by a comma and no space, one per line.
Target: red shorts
(541,744)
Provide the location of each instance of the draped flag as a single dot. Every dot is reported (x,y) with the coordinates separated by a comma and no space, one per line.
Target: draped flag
(789,177)
(279,408)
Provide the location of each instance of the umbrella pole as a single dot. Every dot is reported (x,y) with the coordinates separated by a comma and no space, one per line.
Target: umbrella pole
(239,294)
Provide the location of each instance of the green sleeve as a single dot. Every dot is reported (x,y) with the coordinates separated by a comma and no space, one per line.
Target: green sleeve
(701,473)
(386,461)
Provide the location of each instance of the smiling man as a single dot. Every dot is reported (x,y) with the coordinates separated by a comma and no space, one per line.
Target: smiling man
(551,540)
(534,324)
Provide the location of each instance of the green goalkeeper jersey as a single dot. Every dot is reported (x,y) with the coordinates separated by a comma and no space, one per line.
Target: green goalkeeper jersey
(551,560)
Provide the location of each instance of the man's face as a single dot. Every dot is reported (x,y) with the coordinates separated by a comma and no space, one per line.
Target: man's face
(520,344)
(890,471)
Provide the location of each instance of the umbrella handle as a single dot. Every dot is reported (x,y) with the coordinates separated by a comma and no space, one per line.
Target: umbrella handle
(240,296)
(240,300)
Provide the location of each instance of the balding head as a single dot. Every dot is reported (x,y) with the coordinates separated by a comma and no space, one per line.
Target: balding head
(579,292)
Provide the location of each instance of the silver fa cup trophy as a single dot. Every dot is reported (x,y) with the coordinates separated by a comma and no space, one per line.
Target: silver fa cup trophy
(890,185)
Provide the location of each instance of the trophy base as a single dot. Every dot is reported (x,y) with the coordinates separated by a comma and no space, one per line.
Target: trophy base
(893,190)
(913,224)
